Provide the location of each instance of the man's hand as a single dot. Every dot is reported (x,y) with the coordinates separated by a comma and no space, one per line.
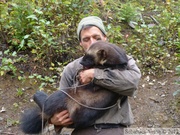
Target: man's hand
(61,119)
(86,76)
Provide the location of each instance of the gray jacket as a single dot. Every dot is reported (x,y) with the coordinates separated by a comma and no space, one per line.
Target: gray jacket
(124,83)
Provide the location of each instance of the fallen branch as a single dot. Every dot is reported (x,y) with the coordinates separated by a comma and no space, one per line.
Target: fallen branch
(154,20)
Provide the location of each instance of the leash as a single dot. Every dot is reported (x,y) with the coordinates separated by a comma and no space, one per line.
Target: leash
(89,107)
(42,119)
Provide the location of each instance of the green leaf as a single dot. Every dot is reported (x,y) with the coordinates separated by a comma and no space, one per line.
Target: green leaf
(34,51)
(26,36)
(38,11)
(14,53)
(21,44)
(176,93)
(33,17)
(2,73)
(31,77)
(178,69)
(67,2)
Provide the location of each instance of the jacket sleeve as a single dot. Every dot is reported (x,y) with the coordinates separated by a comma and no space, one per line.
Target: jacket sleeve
(68,77)
(123,82)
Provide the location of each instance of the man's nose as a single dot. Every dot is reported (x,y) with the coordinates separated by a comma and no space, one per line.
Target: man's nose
(93,40)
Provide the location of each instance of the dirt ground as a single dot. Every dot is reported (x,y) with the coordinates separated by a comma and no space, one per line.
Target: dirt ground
(153,105)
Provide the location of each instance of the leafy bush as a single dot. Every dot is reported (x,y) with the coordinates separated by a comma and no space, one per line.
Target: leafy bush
(43,33)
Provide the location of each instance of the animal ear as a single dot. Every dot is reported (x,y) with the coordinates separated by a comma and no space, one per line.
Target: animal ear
(102,54)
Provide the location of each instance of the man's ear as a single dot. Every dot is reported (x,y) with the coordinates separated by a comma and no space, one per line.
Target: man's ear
(80,44)
(105,38)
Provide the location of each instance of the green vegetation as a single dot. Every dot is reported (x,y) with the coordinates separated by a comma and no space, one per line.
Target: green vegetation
(39,36)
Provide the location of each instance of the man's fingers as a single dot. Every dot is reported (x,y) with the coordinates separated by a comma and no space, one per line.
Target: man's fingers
(63,117)
(86,76)
(67,121)
(62,113)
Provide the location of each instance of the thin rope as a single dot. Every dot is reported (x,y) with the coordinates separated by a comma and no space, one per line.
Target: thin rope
(42,119)
(77,86)
(90,107)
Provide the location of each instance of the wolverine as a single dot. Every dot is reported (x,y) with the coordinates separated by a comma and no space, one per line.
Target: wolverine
(85,103)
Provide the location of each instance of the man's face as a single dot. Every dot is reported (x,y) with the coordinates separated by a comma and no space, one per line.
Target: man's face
(90,35)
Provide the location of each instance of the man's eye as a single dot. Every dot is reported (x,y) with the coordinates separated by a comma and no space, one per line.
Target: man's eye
(98,39)
(86,39)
